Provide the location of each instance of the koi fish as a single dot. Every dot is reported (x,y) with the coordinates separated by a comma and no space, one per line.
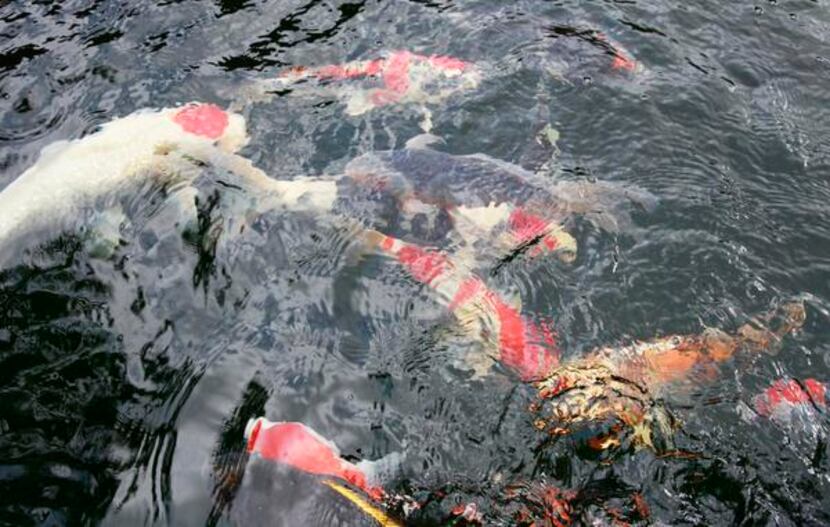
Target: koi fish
(167,145)
(71,175)
(397,78)
(799,409)
(298,446)
(624,384)
(785,396)
(481,201)
(656,363)
(622,61)
(523,346)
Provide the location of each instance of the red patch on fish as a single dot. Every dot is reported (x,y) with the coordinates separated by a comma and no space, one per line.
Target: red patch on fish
(527,349)
(396,72)
(526,227)
(563,384)
(817,390)
(296,445)
(448,63)
(425,266)
(469,289)
(790,392)
(351,71)
(524,347)
(622,62)
(206,120)
(373,67)
(387,243)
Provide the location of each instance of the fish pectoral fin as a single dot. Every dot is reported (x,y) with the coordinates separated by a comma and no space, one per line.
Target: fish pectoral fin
(484,219)
(479,363)
(423,141)
(476,227)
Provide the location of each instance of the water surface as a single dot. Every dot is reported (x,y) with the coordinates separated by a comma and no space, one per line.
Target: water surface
(128,374)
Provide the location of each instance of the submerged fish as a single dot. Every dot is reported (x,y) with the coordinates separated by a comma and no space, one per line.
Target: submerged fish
(498,208)
(72,179)
(301,447)
(623,60)
(399,77)
(302,452)
(70,176)
(799,408)
(618,386)
(625,384)
(584,51)
(522,345)
(405,77)
(279,495)
(785,396)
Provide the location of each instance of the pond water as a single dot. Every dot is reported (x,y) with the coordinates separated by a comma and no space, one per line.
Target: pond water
(129,368)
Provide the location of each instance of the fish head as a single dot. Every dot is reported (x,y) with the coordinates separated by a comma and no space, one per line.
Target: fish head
(540,235)
(210,122)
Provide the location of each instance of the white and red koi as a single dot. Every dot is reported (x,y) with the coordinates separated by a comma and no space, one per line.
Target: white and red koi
(299,446)
(71,175)
(799,408)
(170,144)
(527,348)
(402,76)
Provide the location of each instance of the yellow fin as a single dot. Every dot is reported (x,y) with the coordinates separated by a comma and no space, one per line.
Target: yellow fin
(378,515)
(550,134)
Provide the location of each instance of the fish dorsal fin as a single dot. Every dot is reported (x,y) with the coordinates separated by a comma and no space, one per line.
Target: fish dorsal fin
(423,141)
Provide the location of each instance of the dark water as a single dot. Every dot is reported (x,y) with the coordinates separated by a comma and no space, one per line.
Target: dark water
(127,377)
